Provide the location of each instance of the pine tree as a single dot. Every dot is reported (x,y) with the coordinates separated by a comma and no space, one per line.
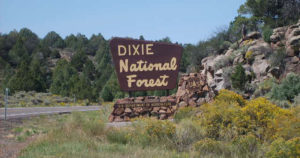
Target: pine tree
(238,78)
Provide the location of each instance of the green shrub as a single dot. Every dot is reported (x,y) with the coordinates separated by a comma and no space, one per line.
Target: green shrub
(227,71)
(223,62)
(277,58)
(225,45)
(288,89)
(234,45)
(119,136)
(246,145)
(267,32)
(285,149)
(94,127)
(149,131)
(184,113)
(106,94)
(187,133)
(239,78)
(210,146)
(55,54)
(297,100)
(265,87)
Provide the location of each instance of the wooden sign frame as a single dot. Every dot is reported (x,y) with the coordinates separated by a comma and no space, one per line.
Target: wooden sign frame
(145,65)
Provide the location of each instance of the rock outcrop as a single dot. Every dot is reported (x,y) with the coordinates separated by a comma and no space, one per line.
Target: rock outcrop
(288,37)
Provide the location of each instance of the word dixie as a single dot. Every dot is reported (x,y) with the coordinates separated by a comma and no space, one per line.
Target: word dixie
(137,49)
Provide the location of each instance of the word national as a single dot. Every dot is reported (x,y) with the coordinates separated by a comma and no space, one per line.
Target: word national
(145,65)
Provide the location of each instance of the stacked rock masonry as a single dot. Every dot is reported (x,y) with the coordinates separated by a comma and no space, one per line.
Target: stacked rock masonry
(193,90)
(133,110)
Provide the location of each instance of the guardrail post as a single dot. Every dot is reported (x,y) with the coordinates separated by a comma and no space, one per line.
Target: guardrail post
(6,102)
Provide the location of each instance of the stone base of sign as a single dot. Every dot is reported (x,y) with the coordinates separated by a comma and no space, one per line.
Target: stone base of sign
(193,90)
(149,106)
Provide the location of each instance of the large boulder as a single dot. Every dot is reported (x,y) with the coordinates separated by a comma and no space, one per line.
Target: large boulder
(292,65)
(208,63)
(293,46)
(261,68)
(278,34)
(260,48)
(253,35)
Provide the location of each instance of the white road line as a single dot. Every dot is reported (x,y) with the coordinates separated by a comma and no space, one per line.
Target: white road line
(47,107)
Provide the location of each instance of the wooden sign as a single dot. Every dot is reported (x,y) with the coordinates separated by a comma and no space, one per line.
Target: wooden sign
(145,65)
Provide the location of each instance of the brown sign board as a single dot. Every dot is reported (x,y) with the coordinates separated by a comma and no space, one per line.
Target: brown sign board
(145,65)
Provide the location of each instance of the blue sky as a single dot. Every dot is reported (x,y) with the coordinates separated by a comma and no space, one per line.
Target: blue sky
(184,21)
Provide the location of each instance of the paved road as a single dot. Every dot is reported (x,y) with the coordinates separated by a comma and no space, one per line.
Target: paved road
(34,111)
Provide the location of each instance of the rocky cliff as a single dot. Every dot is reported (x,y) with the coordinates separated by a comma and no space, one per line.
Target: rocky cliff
(261,60)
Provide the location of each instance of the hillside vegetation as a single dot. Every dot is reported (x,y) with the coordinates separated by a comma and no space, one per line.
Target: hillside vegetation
(82,67)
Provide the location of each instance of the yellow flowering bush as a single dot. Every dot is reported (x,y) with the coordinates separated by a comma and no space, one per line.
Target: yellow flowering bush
(247,42)
(248,55)
(257,117)
(246,145)
(149,130)
(288,126)
(184,113)
(159,129)
(229,126)
(218,116)
(209,146)
(285,149)
(228,97)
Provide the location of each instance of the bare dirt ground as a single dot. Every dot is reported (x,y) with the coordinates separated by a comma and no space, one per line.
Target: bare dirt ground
(9,146)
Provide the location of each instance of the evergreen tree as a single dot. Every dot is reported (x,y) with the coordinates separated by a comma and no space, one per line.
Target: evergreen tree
(22,80)
(78,60)
(63,79)
(111,90)
(18,53)
(272,12)
(53,40)
(39,75)
(82,88)
(29,39)
(96,42)
(238,78)
(89,69)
